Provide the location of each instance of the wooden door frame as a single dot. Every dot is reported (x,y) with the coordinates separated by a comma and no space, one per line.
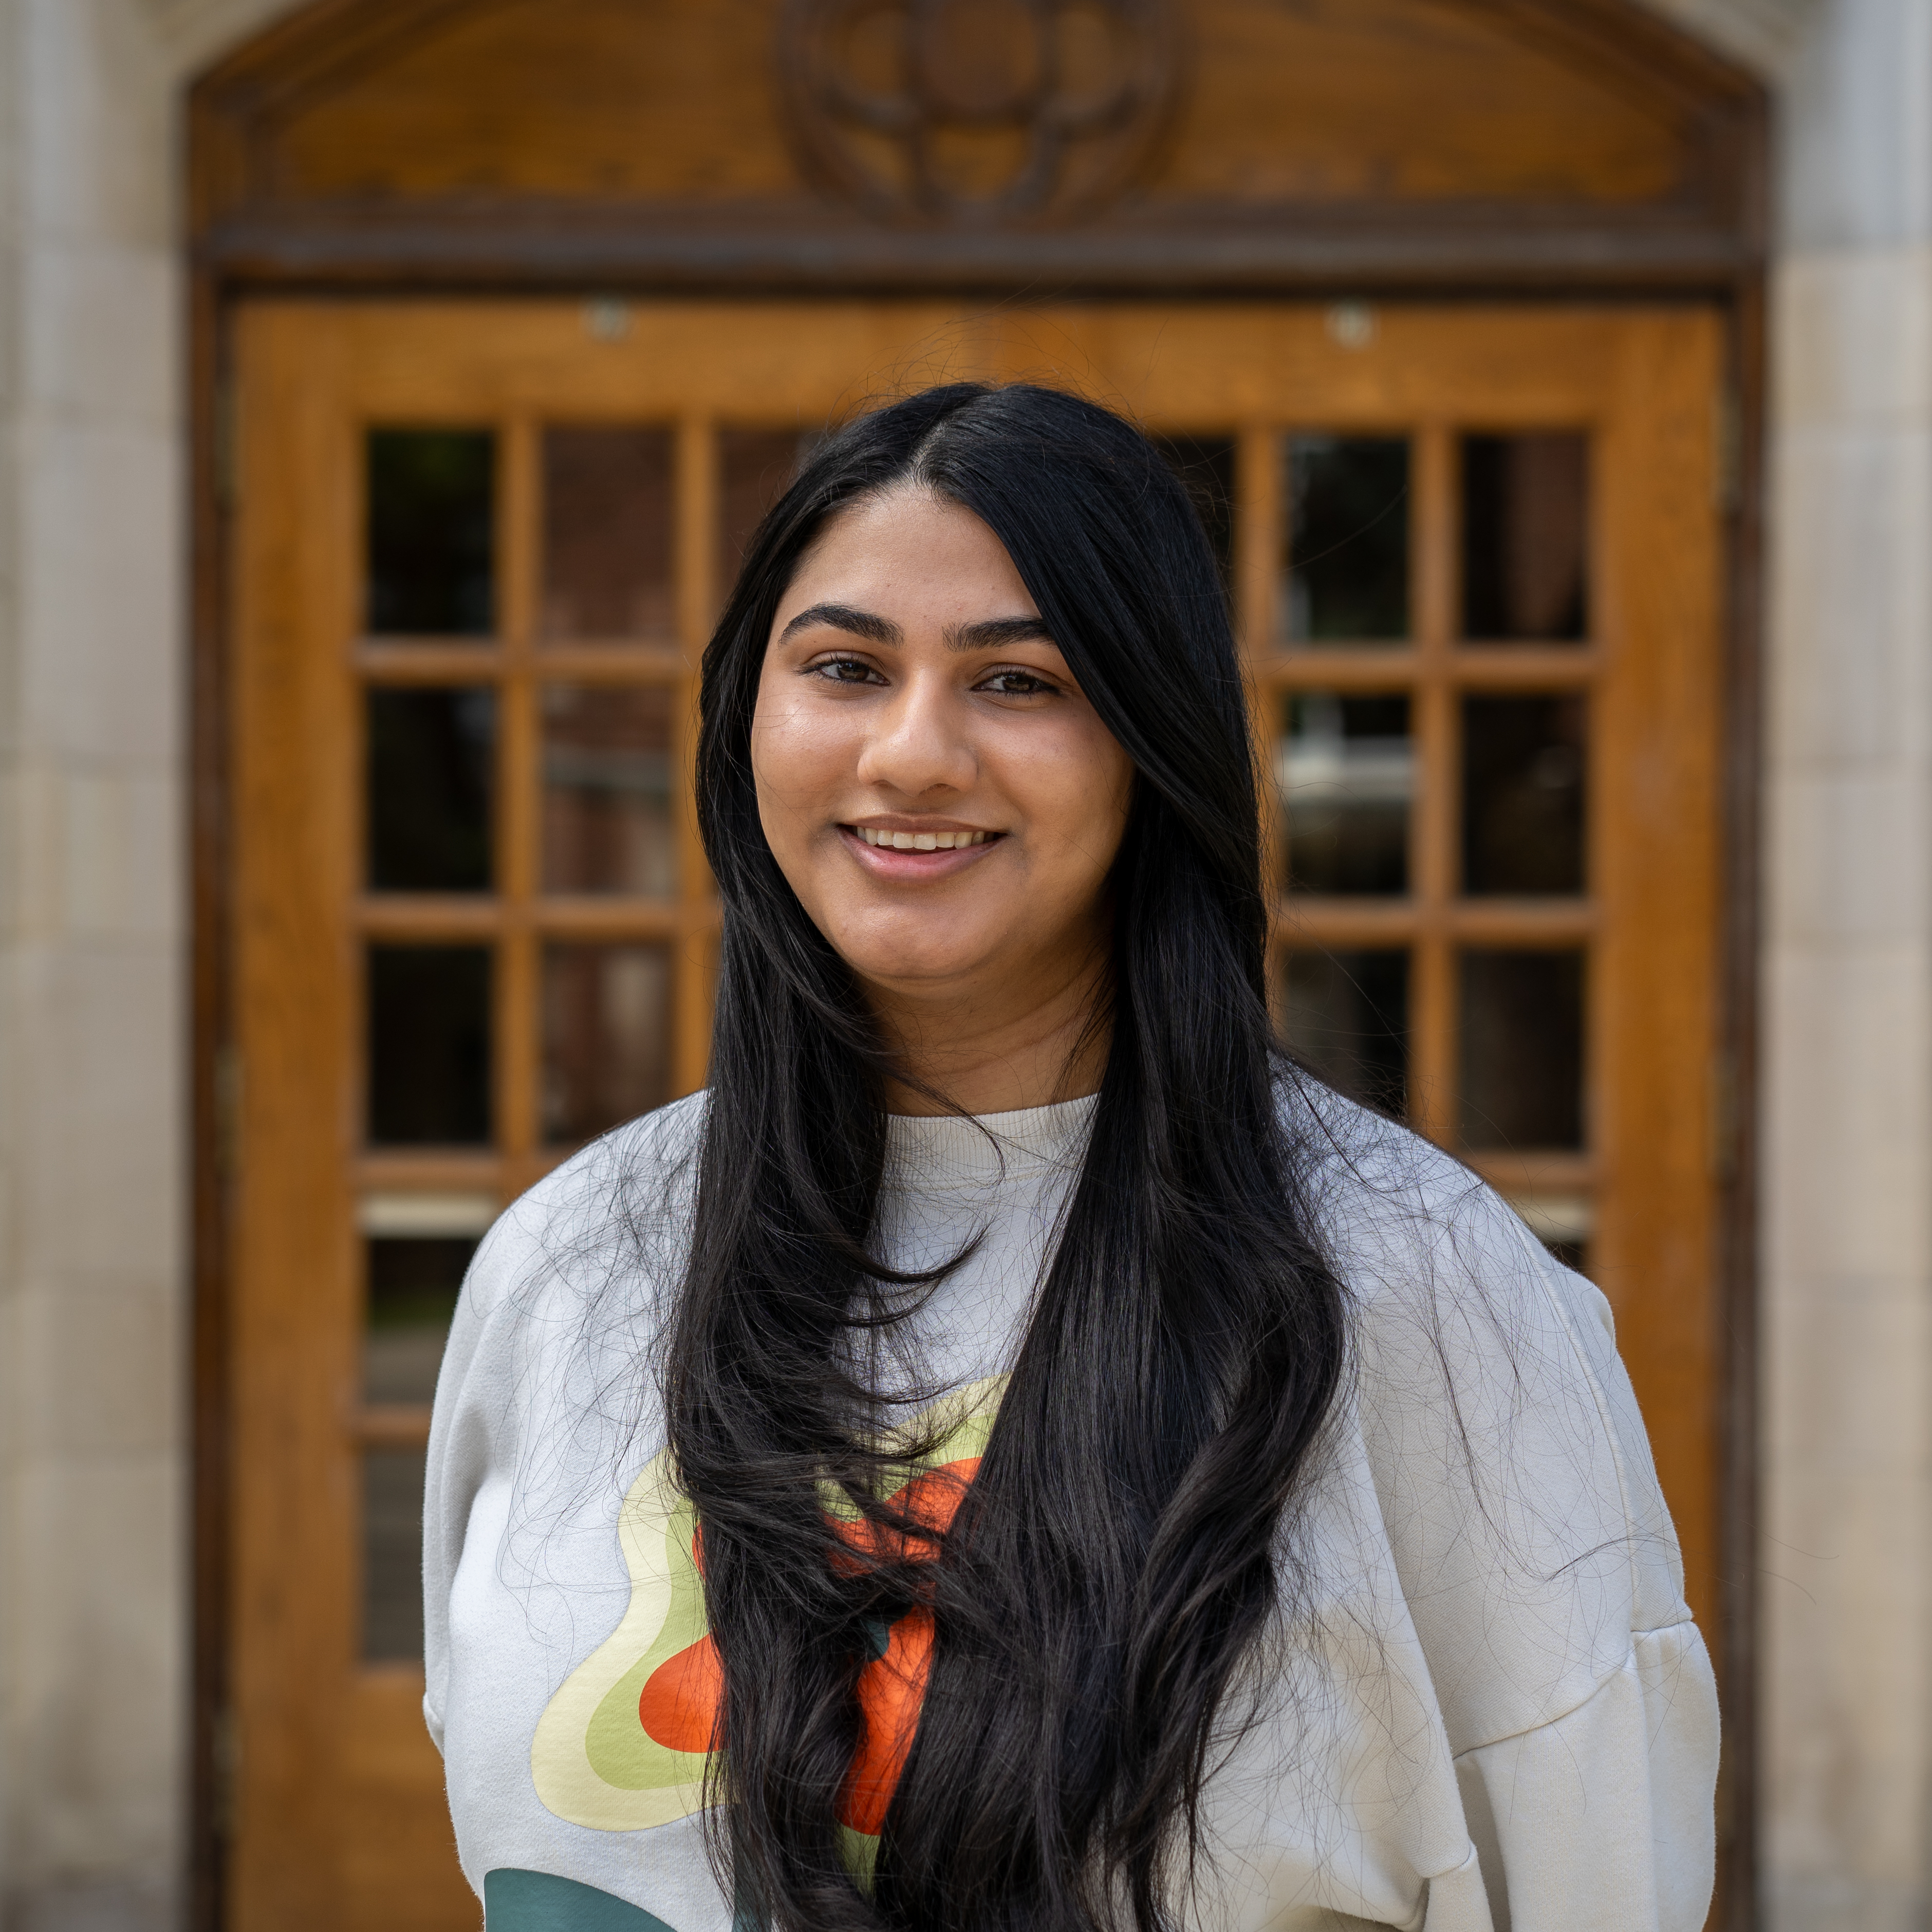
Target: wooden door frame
(1396,256)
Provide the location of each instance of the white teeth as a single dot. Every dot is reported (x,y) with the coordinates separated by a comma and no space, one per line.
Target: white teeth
(921,842)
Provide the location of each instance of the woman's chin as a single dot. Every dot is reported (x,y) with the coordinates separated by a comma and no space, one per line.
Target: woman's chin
(918,963)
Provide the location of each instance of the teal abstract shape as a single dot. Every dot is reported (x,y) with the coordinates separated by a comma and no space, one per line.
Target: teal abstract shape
(529,1901)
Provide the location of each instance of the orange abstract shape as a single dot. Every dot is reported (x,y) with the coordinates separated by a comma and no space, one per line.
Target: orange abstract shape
(891,1689)
(930,1500)
(596,1757)
(678,1706)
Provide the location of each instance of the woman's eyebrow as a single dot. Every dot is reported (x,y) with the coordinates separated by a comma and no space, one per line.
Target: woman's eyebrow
(843,617)
(992,632)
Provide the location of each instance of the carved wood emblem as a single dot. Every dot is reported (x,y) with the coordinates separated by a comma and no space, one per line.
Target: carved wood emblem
(980,112)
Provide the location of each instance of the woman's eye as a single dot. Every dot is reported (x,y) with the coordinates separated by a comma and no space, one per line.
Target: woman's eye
(847,670)
(1015,684)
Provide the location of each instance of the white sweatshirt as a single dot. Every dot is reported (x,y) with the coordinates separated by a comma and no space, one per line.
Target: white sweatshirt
(1485,1710)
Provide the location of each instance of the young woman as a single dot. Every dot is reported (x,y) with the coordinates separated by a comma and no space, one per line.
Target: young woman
(1015,1453)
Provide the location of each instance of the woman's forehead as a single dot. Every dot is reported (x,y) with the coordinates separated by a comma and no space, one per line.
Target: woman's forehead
(912,550)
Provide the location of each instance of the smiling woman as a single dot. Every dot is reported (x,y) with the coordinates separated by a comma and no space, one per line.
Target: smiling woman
(944,800)
(1017,1451)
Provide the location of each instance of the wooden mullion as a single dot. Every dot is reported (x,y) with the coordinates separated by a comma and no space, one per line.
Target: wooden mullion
(1526,923)
(530,1167)
(1533,1173)
(1431,1021)
(518,998)
(519,808)
(1365,668)
(1258,553)
(1258,538)
(519,563)
(1433,815)
(590,917)
(431,1170)
(390,662)
(1525,667)
(618,663)
(1431,543)
(391,1425)
(1365,922)
(430,917)
(698,592)
(1339,920)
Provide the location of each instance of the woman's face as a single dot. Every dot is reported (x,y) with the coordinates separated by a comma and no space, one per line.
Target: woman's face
(944,801)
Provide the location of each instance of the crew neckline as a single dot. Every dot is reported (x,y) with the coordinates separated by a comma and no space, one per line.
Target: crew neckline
(925,1150)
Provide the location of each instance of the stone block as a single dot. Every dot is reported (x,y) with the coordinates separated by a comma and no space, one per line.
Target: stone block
(1848,1374)
(97,113)
(101,1170)
(1852,598)
(1841,868)
(1847,1039)
(1853,335)
(99,1637)
(114,1906)
(100,674)
(102,336)
(104,1365)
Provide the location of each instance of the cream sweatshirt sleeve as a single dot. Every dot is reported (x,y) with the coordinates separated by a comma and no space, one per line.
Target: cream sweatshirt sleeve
(1538,1564)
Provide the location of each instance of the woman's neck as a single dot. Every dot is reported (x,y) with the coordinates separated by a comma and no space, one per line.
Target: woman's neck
(988,1052)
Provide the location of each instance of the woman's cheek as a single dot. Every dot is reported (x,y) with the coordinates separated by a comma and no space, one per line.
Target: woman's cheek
(1086,804)
(799,757)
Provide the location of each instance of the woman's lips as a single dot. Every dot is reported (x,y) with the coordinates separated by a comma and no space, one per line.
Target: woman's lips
(886,861)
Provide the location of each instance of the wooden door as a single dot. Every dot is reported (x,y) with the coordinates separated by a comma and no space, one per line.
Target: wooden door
(1474,557)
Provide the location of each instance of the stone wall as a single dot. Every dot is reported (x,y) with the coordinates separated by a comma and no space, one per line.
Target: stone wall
(1846,1556)
(93,1534)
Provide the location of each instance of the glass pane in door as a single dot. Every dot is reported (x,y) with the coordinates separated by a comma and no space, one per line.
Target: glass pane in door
(429,1045)
(1345,767)
(1347,566)
(1205,465)
(1523,794)
(413,1283)
(431,532)
(431,786)
(609,824)
(1525,519)
(1521,1050)
(392,1610)
(606,1040)
(1346,1014)
(753,466)
(607,529)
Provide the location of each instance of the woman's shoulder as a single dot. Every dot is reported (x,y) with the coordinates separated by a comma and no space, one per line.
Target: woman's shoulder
(629,1191)
(1512,1471)
(1411,1230)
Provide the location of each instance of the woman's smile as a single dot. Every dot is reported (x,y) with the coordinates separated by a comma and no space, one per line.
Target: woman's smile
(912,852)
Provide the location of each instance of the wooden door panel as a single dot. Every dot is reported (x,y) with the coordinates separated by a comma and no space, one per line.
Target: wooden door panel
(340,1818)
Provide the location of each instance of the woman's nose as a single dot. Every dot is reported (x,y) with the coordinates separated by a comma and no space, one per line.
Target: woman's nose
(919,744)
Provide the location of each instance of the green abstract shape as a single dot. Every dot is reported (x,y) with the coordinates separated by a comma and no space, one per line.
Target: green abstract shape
(529,1901)
(621,1752)
(860,1851)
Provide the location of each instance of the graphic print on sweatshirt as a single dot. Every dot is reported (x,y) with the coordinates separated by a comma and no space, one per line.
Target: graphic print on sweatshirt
(624,1744)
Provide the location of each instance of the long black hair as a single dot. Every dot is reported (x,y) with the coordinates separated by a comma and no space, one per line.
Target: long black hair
(1115,1560)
